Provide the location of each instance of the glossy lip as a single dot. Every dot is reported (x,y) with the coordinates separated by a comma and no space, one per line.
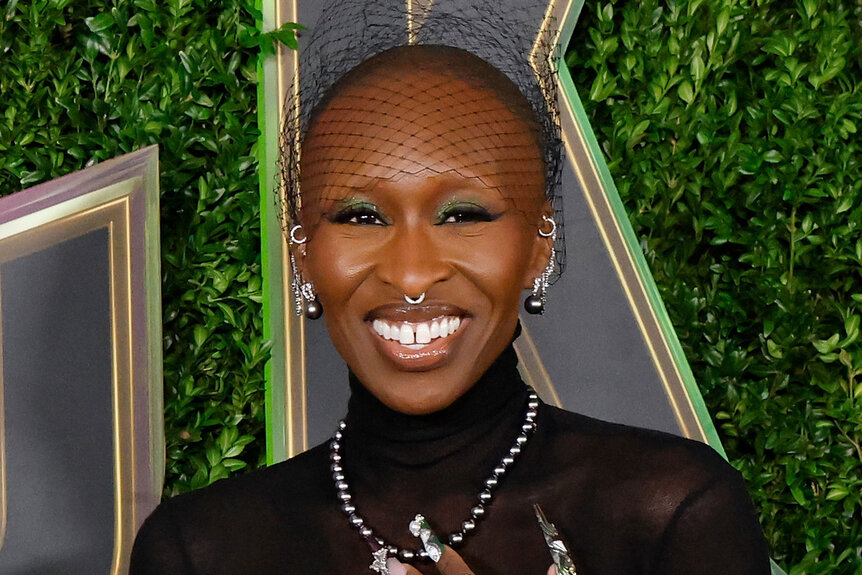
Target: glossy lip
(433,354)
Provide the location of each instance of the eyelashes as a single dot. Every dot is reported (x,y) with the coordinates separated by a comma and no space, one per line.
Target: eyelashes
(465,213)
(360,214)
(368,214)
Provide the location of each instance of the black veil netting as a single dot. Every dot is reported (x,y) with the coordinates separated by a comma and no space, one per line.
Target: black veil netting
(514,40)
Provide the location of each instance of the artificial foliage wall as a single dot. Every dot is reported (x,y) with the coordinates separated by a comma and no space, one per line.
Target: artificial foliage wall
(731,128)
(82,81)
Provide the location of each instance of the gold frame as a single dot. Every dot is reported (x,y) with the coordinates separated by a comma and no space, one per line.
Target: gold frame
(286,399)
(122,196)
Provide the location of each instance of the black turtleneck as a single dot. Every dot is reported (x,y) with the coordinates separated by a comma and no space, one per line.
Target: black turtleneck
(627,500)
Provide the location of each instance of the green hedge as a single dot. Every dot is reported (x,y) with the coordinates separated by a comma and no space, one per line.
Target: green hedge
(730,128)
(83,81)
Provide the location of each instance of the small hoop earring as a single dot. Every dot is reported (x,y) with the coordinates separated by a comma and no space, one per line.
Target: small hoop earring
(416,301)
(304,298)
(553,232)
(293,238)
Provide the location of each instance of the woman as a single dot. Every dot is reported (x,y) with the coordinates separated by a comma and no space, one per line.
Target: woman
(424,215)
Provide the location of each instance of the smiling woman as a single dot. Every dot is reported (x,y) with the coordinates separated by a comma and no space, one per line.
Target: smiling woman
(404,197)
(419,211)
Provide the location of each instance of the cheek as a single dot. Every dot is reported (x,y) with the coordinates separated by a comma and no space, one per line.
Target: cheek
(497,261)
(333,261)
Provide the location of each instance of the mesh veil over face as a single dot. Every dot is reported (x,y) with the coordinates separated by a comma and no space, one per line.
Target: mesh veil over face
(368,111)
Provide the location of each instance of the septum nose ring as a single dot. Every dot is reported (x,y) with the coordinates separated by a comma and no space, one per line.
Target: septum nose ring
(416,301)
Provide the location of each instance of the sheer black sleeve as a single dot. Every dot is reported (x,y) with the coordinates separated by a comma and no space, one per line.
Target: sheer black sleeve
(714,530)
(159,548)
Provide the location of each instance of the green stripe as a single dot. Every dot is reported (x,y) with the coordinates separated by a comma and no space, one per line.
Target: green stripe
(270,234)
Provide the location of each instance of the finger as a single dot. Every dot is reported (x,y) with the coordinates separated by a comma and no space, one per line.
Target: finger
(396,567)
(407,570)
(552,570)
(452,564)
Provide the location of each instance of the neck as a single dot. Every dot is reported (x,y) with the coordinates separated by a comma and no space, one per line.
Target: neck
(399,464)
(488,396)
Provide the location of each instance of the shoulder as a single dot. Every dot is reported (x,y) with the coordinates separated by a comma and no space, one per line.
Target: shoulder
(267,487)
(232,513)
(651,470)
(632,447)
(679,498)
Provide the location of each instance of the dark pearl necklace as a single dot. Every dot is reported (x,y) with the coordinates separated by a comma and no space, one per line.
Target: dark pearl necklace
(476,513)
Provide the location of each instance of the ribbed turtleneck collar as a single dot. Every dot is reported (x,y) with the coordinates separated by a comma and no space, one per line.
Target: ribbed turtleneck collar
(498,392)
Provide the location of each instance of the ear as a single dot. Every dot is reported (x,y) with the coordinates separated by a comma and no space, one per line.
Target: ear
(542,246)
(298,252)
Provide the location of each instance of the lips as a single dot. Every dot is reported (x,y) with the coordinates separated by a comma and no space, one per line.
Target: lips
(416,337)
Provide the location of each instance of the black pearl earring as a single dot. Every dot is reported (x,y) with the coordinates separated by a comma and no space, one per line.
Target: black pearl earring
(313,308)
(534,304)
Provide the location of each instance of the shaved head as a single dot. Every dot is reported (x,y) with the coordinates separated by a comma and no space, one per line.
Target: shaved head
(423,110)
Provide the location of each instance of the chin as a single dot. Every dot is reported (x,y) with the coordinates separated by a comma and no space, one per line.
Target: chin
(421,396)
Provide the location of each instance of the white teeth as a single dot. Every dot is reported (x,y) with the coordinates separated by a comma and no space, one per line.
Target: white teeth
(406,335)
(382,328)
(418,334)
(423,333)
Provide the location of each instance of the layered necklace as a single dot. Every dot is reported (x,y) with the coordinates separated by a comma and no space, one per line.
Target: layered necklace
(382,549)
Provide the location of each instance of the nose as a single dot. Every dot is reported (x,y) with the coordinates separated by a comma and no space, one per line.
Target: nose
(413,260)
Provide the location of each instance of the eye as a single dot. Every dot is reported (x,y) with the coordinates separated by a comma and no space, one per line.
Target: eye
(465,213)
(360,215)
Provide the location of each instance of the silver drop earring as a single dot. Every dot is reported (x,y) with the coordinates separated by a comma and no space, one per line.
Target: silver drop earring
(304,296)
(535,302)
(313,307)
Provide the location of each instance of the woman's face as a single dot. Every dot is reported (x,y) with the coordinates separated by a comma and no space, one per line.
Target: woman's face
(416,181)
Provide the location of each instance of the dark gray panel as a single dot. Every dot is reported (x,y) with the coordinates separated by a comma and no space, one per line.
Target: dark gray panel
(589,339)
(327,389)
(57,386)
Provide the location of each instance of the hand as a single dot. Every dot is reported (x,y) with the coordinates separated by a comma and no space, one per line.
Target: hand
(450,564)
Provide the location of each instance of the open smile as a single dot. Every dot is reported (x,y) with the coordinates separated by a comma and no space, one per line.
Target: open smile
(417,339)
(419,334)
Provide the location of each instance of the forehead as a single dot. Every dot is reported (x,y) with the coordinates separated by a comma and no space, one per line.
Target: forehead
(417,118)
